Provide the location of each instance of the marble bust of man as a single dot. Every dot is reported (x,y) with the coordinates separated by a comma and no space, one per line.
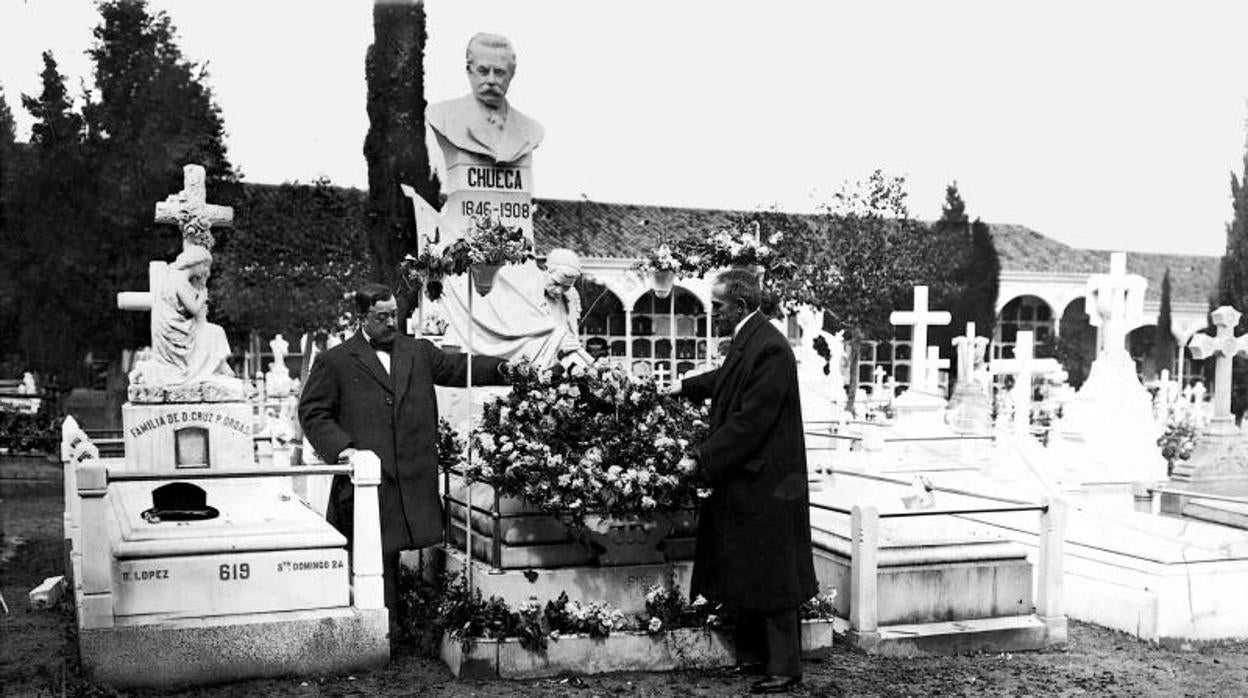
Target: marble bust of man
(483,122)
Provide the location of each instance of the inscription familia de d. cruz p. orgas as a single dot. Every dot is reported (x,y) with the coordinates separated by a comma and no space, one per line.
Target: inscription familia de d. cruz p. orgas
(190,417)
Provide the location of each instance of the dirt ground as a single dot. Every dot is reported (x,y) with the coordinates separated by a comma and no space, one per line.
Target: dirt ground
(38,654)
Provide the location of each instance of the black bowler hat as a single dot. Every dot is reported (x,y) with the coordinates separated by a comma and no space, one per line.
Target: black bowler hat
(179,501)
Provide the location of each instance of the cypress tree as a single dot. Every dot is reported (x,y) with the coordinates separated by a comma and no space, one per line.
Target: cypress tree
(981,280)
(1163,340)
(1233,278)
(8,128)
(949,256)
(395,144)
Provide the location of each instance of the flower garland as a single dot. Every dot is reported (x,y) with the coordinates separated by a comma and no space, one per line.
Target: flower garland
(594,440)
(731,248)
(487,242)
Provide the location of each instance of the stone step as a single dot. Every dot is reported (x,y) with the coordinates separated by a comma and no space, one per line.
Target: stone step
(1230,514)
(1005,634)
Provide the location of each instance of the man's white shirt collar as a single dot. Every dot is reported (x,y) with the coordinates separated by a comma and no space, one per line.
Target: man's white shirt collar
(382,355)
(737,330)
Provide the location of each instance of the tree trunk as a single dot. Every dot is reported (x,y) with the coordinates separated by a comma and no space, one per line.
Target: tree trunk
(395,144)
(854,352)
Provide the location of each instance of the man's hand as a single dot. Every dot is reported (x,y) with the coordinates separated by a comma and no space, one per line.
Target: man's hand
(673,388)
(687,465)
(345,455)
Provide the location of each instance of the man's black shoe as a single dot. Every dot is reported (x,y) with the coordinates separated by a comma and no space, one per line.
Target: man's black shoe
(749,669)
(776,684)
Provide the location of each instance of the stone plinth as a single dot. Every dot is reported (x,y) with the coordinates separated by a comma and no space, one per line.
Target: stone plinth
(1219,455)
(918,410)
(931,569)
(174,654)
(181,438)
(1107,432)
(1158,578)
(969,411)
(531,538)
(679,649)
(933,584)
(265,551)
(623,587)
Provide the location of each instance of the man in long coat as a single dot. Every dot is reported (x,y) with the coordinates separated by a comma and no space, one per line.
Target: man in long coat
(375,392)
(754,552)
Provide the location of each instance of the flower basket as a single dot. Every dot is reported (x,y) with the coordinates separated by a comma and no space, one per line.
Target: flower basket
(624,540)
(482,251)
(662,281)
(483,277)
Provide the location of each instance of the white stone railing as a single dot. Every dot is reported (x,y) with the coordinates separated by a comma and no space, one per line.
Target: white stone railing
(864,625)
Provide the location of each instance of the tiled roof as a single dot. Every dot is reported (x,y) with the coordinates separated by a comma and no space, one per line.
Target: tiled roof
(596,229)
(600,229)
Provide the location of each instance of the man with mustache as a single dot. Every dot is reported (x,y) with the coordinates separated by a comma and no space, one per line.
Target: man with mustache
(483,122)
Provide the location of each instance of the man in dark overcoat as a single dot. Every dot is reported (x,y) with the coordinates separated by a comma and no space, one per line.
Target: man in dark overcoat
(375,392)
(754,552)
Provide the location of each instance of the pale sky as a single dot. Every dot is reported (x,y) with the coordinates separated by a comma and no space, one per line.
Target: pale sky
(1097,123)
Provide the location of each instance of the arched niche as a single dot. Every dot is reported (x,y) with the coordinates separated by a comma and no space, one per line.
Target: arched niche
(1024,313)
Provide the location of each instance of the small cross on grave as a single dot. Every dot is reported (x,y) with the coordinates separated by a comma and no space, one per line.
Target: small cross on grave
(931,382)
(877,386)
(1114,302)
(1226,346)
(190,211)
(1023,366)
(919,319)
(970,352)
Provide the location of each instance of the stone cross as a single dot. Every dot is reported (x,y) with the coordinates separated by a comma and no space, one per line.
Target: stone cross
(970,352)
(1023,366)
(190,211)
(919,319)
(931,381)
(196,218)
(1114,301)
(142,301)
(1226,346)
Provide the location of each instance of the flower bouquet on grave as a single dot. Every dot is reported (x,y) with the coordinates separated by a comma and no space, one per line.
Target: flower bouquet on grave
(482,251)
(1184,425)
(663,265)
(598,448)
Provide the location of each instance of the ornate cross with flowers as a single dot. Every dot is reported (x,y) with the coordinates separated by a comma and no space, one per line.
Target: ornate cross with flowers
(190,211)
(1226,346)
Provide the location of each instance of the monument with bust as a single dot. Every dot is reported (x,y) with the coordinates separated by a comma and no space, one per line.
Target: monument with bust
(487,147)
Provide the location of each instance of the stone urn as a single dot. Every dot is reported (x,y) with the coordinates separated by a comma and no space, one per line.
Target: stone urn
(662,281)
(624,540)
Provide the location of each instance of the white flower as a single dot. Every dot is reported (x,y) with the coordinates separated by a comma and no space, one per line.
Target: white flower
(486,441)
(647,502)
(699,601)
(655,625)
